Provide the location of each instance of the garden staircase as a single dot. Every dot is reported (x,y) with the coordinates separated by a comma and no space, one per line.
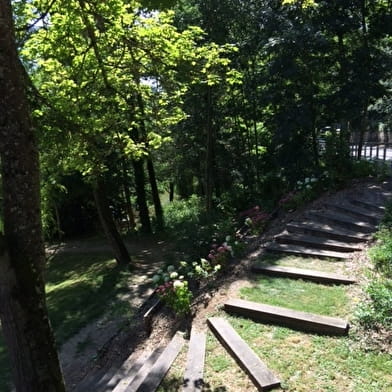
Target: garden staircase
(334,231)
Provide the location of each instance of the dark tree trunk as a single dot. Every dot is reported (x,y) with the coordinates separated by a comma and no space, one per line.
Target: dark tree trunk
(209,188)
(141,196)
(24,318)
(155,195)
(109,227)
(127,196)
(171,191)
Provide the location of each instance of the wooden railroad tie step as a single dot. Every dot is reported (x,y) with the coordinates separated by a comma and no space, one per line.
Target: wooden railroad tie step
(317,242)
(323,230)
(193,376)
(133,371)
(305,251)
(258,372)
(151,374)
(287,317)
(342,220)
(368,205)
(356,211)
(306,274)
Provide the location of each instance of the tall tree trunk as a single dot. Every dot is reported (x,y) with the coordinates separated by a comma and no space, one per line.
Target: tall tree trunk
(109,227)
(141,198)
(209,153)
(155,194)
(24,318)
(171,191)
(127,196)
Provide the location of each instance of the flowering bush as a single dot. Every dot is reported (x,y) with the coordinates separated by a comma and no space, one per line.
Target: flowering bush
(255,218)
(172,284)
(173,289)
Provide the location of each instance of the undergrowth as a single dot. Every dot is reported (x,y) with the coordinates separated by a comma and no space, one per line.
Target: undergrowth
(377,310)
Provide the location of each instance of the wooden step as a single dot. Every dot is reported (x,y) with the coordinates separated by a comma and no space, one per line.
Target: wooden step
(368,205)
(342,221)
(323,230)
(369,216)
(305,251)
(306,274)
(149,381)
(131,371)
(287,317)
(316,242)
(193,376)
(258,372)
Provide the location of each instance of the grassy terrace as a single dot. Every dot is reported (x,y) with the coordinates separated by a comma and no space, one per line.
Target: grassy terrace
(305,362)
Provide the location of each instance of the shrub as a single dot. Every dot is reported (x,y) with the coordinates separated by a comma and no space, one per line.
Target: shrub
(379,307)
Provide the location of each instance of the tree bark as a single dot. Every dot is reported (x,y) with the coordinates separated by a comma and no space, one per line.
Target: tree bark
(25,322)
(127,196)
(155,195)
(105,215)
(209,153)
(141,198)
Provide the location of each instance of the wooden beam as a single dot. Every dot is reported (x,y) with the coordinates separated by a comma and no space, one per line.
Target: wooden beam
(288,317)
(137,371)
(306,274)
(193,376)
(149,381)
(258,372)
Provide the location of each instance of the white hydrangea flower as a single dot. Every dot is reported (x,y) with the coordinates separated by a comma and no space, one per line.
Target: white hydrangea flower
(177,284)
(174,275)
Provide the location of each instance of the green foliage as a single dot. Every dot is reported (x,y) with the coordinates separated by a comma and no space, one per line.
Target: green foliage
(381,253)
(377,310)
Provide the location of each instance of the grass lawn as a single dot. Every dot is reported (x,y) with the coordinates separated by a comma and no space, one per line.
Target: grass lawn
(305,362)
(80,288)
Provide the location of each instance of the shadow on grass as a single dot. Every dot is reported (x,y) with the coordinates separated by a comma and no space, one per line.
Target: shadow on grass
(175,384)
(80,288)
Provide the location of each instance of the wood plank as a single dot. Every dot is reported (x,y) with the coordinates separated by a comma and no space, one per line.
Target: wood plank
(193,376)
(149,381)
(306,274)
(361,213)
(288,317)
(368,205)
(141,368)
(258,372)
(305,251)
(343,221)
(323,230)
(317,242)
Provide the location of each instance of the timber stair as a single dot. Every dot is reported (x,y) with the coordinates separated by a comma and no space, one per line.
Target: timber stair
(368,205)
(342,220)
(317,242)
(371,217)
(306,251)
(258,372)
(305,274)
(287,317)
(322,230)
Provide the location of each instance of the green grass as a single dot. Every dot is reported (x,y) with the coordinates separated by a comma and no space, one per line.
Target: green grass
(299,295)
(80,288)
(304,362)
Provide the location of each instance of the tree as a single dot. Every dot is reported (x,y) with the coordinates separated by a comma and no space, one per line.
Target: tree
(23,312)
